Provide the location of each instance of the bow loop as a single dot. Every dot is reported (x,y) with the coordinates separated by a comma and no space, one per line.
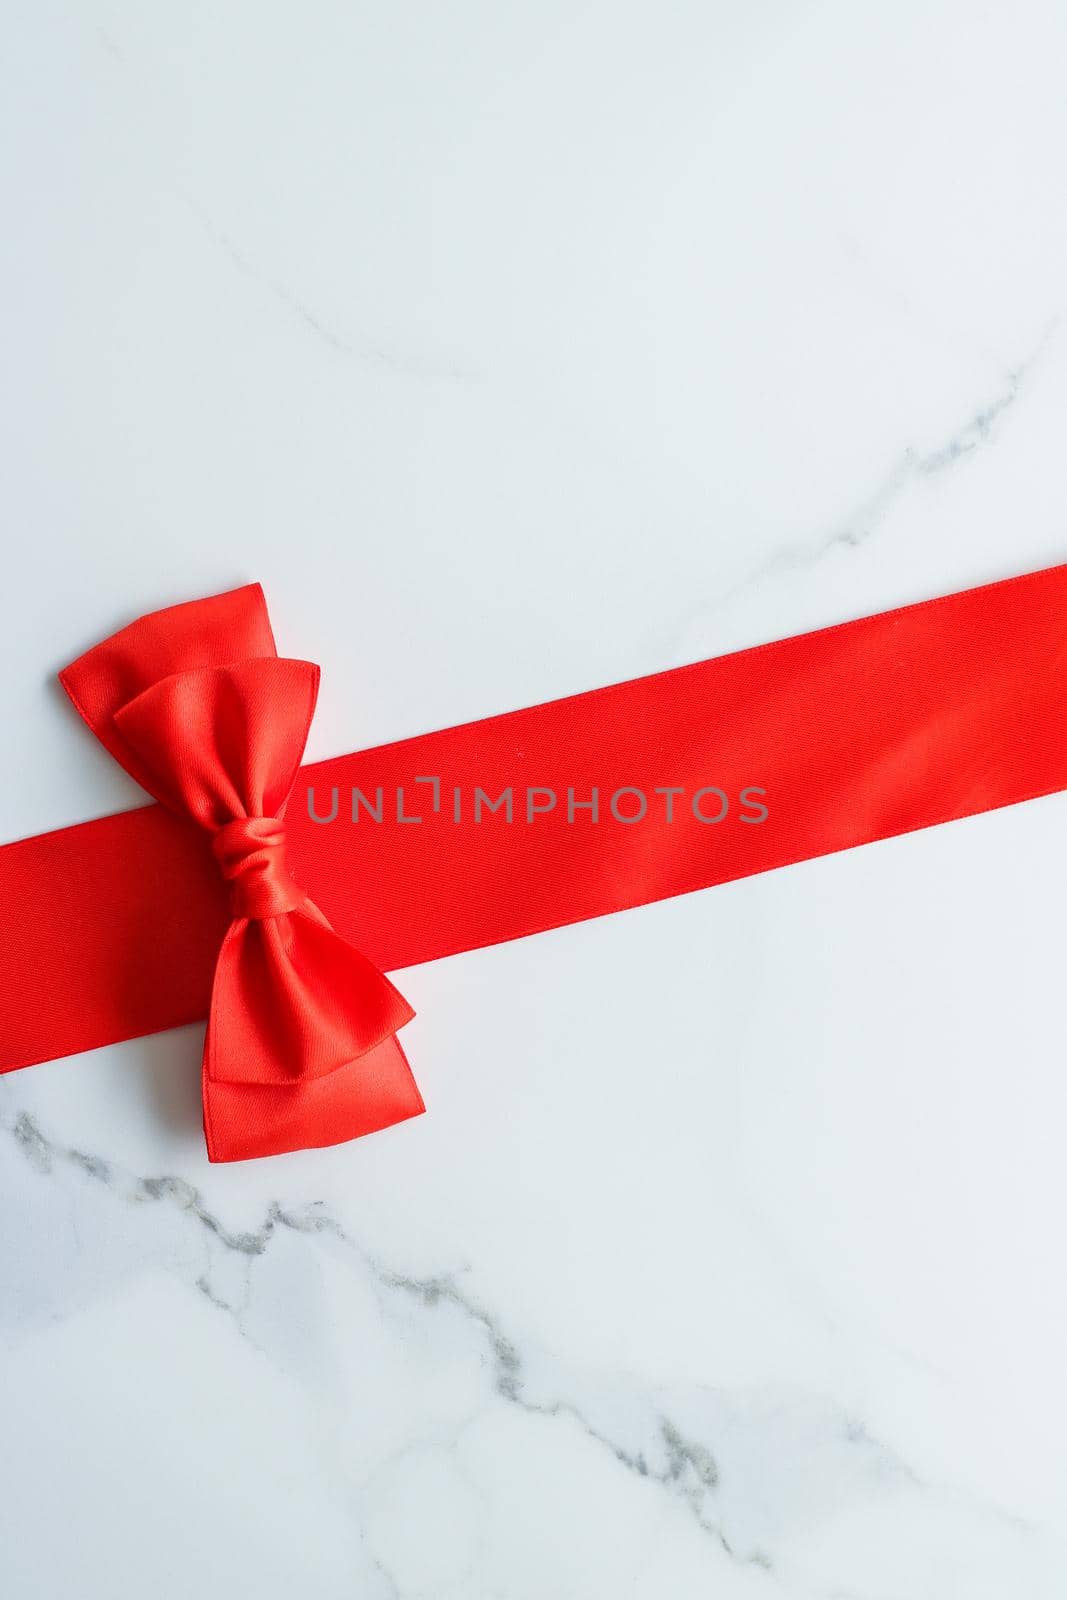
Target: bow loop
(292,1002)
(222,743)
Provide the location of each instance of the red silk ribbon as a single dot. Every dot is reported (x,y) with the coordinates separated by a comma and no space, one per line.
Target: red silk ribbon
(300,1046)
(209,904)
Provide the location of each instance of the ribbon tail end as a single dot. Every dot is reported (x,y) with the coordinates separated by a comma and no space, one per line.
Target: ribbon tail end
(244,1121)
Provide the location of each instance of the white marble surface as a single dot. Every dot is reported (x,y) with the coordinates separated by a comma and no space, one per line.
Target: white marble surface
(518,348)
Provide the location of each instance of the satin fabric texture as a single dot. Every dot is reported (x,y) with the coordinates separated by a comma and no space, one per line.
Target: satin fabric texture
(301,1046)
(229,900)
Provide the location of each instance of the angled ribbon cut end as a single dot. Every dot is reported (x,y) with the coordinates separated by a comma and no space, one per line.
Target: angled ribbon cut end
(300,1049)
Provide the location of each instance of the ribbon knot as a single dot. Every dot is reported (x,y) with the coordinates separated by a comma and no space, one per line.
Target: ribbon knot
(251,854)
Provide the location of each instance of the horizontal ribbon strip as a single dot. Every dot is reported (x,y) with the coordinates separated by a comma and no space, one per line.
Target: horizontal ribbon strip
(900,721)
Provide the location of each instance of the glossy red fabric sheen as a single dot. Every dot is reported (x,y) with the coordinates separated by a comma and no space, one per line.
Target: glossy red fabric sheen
(300,1045)
(858,732)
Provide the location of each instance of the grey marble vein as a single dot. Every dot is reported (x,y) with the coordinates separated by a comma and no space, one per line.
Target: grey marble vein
(974,432)
(656,1443)
(385,359)
(969,436)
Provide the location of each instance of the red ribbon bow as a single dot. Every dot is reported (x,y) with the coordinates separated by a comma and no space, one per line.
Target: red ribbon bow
(854,733)
(197,706)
